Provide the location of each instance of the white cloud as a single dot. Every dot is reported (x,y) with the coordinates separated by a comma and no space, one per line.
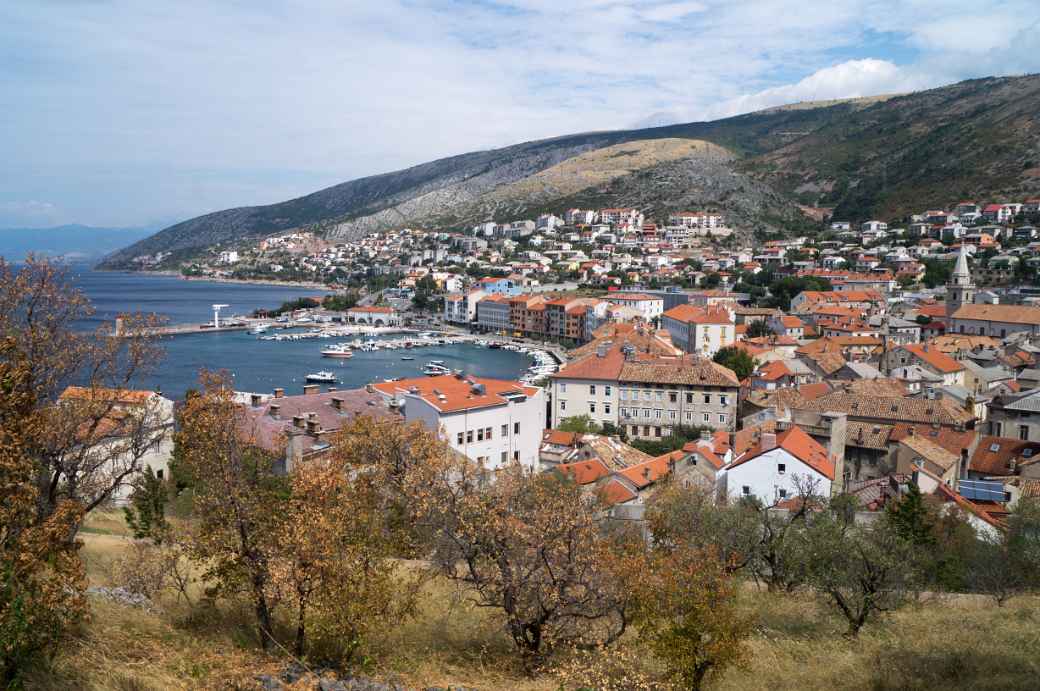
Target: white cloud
(122,111)
(30,212)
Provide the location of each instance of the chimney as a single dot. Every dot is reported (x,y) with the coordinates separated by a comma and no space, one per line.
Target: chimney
(278,393)
(275,411)
(768,441)
(837,423)
(309,389)
(297,421)
(337,403)
(255,400)
(312,428)
(369,388)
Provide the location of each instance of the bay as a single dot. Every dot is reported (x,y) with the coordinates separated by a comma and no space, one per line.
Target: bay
(255,365)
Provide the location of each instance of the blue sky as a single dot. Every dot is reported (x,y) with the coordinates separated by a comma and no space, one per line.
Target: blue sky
(121,112)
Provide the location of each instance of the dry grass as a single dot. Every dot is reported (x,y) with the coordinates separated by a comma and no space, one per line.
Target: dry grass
(952,643)
(603,165)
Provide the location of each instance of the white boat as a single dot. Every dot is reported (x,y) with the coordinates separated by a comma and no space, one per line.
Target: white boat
(432,369)
(324,376)
(258,329)
(337,351)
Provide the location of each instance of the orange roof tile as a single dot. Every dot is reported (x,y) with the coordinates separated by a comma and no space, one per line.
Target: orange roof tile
(448,393)
(585,472)
(934,357)
(800,445)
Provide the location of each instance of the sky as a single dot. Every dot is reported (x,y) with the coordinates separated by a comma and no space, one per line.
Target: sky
(130,113)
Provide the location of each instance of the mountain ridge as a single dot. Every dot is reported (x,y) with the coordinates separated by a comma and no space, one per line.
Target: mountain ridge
(838,155)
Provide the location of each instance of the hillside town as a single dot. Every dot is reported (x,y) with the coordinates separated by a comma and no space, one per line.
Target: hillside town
(869,358)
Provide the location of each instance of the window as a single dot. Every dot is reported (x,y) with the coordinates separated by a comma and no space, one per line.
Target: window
(722,417)
(722,400)
(563,405)
(707,399)
(563,387)
(623,394)
(592,406)
(672,414)
(782,493)
(516,455)
(657,431)
(998,429)
(606,409)
(646,430)
(660,395)
(657,414)
(469,436)
(689,398)
(624,412)
(592,389)
(707,417)
(646,412)
(459,439)
(689,416)
(504,457)
(516,428)
(505,430)
(480,434)
(606,390)
(159,473)
(746,491)
(646,395)
(1023,432)
(673,397)
(781,468)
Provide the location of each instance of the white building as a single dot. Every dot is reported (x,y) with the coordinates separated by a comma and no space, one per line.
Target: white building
(700,330)
(229,257)
(771,470)
(696,219)
(461,308)
(649,306)
(493,422)
(135,431)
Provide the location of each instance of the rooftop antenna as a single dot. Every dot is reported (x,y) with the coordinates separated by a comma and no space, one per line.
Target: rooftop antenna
(216,315)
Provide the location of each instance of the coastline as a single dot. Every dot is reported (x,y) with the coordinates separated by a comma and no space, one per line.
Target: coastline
(310,285)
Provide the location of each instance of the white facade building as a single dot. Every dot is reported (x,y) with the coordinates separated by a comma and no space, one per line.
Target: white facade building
(700,330)
(770,472)
(492,421)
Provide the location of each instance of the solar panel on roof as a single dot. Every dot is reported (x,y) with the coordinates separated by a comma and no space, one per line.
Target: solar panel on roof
(981,490)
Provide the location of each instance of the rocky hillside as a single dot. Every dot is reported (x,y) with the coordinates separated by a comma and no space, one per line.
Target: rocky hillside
(866,157)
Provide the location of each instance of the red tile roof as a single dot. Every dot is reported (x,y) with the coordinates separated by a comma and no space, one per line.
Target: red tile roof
(448,393)
(934,357)
(800,445)
(585,472)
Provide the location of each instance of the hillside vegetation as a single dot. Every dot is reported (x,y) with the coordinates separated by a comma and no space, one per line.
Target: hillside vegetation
(952,642)
(866,157)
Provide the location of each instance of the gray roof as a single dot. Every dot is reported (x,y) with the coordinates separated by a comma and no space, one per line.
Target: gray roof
(1028,401)
(864,370)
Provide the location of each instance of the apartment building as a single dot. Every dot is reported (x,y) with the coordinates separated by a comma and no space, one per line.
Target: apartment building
(492,421)
(461,308)
(647,395)
(649,306)
(493,314)
(700,330)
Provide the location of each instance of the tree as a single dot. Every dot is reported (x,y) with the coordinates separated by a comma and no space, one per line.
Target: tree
(911,518)
(529,546)
(42,580)
(582,424)
(685,603)
(758,329)
(736,359)
(680,516)
(239,502)
(1006,562)
(788,287)
(83,446)
(336,559)
(936,272)
(863,570)
(146,514)
(425,289)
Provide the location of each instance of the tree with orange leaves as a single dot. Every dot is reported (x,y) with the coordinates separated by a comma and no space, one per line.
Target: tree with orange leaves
(239,502)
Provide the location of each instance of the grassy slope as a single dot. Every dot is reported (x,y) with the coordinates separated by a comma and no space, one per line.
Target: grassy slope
(957,643)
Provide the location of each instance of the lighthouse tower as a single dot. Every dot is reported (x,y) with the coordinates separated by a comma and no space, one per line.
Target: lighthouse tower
(960,290)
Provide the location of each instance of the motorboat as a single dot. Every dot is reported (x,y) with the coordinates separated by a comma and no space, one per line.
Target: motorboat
(340,351)
(323,377)
(407,357)
(259,329)
(433,369)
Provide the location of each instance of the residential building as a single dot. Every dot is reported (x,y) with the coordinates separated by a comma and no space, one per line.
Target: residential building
(461,308)
(930,358)
(772,470)
(649,306)
(127,429)
(493,314)
(700,330)
(374,316)
(491,421)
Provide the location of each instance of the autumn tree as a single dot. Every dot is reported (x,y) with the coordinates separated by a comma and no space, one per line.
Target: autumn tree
(529,546)
(90,440)
(684,601)
(336,564)
(239,501)
(41,576)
